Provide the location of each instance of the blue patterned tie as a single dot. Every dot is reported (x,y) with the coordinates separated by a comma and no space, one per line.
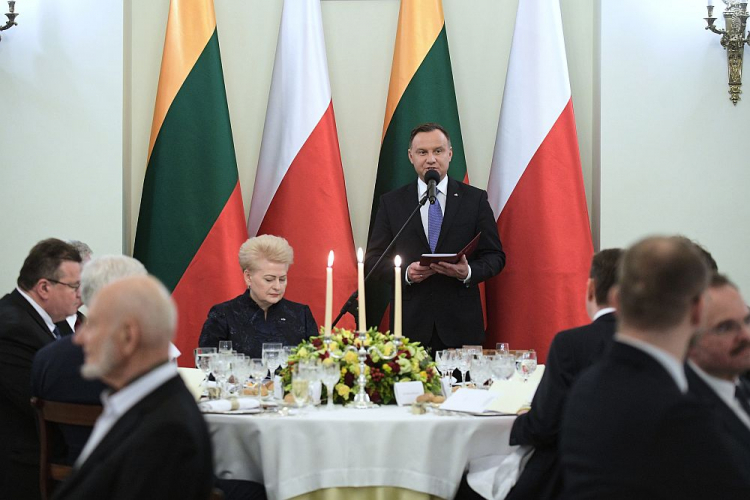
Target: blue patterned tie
(434,221)
(56,333)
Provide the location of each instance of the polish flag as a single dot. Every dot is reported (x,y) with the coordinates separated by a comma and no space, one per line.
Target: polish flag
(299,191)
(536,191)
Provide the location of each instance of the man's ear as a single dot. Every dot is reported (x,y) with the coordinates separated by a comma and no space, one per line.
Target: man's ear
(614,297)
(131,338)
(591,290)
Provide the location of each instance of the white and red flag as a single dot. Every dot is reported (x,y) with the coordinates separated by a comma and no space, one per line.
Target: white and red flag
(299,192)
(536,191)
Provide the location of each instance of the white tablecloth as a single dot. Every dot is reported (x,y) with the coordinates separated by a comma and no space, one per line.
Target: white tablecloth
(385,446)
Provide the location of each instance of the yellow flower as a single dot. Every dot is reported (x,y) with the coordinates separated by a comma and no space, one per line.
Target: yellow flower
(368,341)
(343,390)
(351,357)
(423,375)
(343,370)
(387,349)
(387,368)
(328,362)
(302,353)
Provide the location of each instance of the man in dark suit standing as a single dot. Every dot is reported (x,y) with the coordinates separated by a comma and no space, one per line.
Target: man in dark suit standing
(150,441)
(629,428)
(47,292)
(718,358)
(441,303)
(571,352)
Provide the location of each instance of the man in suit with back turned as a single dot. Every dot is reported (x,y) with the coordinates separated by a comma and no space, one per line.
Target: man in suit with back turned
(630,430)
(47,292)
(441,303)
(150,440)
(571,352)
(718,358)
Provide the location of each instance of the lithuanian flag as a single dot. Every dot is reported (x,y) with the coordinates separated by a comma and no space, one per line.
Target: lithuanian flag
(421,90)
(191,222)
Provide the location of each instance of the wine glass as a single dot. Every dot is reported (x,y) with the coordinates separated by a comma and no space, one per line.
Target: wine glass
(225,346)
(258,370)
(442,362)
(526,364)
(313,373)
(203,363)
(502,348)
(221,365)
(241,370)
(271,352)
(462,364)
(300,386)
(331,375)
(202,350)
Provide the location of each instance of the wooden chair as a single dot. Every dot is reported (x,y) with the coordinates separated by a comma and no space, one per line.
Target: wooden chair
(52,412)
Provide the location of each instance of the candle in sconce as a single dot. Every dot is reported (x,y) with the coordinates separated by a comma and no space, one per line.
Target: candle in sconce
(397,298)
(361,289)
(329,295)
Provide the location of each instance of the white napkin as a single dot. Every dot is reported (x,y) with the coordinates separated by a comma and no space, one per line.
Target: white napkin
(493,476)
(229,404)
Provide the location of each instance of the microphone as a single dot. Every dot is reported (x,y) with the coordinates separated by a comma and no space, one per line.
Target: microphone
(432,178)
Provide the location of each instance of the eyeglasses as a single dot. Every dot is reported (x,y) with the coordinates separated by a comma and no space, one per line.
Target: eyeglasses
(73,286)
(730,327)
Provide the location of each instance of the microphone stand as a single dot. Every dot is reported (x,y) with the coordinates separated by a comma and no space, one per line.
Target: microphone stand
(351,305)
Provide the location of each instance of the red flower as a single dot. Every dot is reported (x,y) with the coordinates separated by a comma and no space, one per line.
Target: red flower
(395,368)
(349,379)
(317,342)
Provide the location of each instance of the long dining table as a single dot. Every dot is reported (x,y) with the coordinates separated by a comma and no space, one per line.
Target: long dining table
(385,452)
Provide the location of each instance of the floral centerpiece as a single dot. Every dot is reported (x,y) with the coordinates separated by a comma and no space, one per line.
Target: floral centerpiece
(411,364)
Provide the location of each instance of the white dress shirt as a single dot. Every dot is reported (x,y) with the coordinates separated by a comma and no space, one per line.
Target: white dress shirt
(665,359)
(118,403)
(442,190)
(601,312)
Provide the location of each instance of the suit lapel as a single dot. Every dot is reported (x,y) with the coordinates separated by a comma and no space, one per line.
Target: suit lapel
(415,226)
(24,304)
(453,199)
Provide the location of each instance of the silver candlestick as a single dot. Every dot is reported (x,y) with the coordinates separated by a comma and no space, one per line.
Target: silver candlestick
(361,399)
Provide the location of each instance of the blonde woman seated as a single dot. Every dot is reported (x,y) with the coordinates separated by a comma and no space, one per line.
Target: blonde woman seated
(261,314)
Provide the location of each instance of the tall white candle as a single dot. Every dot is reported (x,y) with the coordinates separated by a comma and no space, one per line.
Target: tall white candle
(361,289)
(329,295)
(397,298)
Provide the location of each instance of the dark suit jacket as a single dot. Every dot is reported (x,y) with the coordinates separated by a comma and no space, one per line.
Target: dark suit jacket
(158,449)
(571,352)
(629,433)
(243,322)
(22,333)
(444,304)
(56,376)
(737,432)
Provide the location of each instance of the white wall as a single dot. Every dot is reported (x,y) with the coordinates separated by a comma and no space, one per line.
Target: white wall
(61,147)
(674,150)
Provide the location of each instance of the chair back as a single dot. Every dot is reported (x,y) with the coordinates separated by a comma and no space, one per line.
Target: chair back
(53,412)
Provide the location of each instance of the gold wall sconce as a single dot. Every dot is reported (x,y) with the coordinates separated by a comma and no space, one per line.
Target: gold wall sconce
(11,17)
(733,39)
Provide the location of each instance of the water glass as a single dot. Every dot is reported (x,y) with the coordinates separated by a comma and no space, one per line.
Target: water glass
(225,346)
(480,370)
(221,366)
(271,352)
(331,375)
(462,358)
(202,350)
(502,366)
(526,364)
(502,348)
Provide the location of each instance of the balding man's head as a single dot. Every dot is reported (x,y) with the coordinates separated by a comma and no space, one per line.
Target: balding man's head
(660,279)
(131,322)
